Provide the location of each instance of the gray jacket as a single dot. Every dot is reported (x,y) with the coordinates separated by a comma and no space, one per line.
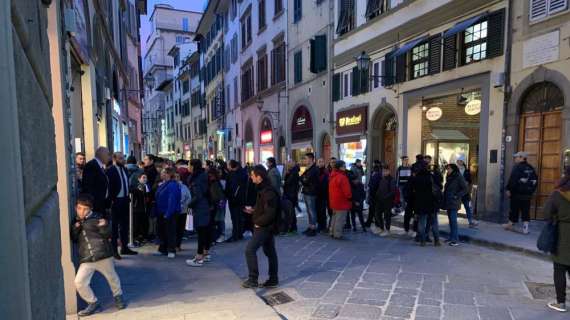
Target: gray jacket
(275,179)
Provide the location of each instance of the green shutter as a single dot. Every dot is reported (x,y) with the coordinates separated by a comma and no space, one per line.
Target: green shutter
(364,81)
(298,64)
(313,57)
(355,81)
(388,70)
(496,34)
(450,52)
(321,54)
(401,68)
(336,87)
(435,54)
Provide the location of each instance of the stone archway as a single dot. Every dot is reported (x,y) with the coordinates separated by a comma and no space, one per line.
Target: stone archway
(383,135)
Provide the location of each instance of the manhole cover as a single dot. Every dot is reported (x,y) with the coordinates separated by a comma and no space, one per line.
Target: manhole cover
(277,298)
(542,291)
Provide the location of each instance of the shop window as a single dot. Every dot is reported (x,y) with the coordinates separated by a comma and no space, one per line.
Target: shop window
(346,19)
(420,60)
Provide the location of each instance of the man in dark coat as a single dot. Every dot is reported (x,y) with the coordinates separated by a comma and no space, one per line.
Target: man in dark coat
(310,182)
(150,169)
(236,193)
(520,189)
(119,196)
(424,202)
(322,196)
(95,180)
(265,220)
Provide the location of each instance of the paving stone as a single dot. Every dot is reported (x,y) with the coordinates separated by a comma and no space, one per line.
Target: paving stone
(459,297)
(459,312)
(342,286)
(408,284)
(429,302)
(428,312)
(407,276)
(356,311)
(327,311)
(402,300)
(435,277)
(410,292)
(374,285)
(324,276)
(308,290)
(371,302)
(494,313)
(336,296)
(397,311)
(370,294)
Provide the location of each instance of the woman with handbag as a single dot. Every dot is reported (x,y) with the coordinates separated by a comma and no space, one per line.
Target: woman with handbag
(557,210)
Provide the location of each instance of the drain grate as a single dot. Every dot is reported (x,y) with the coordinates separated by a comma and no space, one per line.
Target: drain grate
(277,298)
(541,291)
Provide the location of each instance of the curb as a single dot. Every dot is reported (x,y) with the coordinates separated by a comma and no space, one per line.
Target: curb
(491,244)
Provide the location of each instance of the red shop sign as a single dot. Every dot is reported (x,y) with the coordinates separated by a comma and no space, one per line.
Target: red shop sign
(266,136)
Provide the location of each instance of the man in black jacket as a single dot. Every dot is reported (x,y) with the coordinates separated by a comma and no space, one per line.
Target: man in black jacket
(310,182)
(236,193)
(119,196)
(265,220)
(91,232)
(95,180)
(520,188)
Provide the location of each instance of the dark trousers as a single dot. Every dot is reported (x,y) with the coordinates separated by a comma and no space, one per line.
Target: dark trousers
(560,272)
(120,222)
(204,238)
(167,233)
(180,227)
(371,214)
(293,225)
(519,208)
(322,212)
(262,237)
(237,221)
(383,216)
(408,214)
(357,212)
(140,225)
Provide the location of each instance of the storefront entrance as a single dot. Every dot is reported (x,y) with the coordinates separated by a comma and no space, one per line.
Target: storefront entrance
(266,147)
(351,134)
(540,136)
(384,138)
(301,134)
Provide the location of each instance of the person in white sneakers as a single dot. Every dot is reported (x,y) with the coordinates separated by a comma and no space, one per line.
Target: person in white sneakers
(520,188)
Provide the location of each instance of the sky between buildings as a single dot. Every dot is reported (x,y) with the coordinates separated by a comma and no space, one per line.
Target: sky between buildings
(192,5)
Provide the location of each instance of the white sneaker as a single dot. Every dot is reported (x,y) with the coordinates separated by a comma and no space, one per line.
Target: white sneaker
(388,233)
(171,255)
(194,262)
(374,229)
(525,229)
(208,258)
(221,239)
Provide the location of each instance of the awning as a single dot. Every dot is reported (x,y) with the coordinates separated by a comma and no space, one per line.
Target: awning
(408,46)
(461,26)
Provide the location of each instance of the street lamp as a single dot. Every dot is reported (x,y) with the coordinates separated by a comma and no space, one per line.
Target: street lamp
(363,61)
(149,81)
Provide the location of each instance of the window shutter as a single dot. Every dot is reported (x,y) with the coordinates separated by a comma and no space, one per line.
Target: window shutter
(312,58)
(336,87)
(496,34)
(355,81)
(321,53)
(449,52)
(388,70)
(401,68)
(298,67)
(538,9)
(435,54)
(557,5)
(364,81)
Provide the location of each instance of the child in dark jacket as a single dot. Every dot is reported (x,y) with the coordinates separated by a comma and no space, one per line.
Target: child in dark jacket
(385,195)
(358,197)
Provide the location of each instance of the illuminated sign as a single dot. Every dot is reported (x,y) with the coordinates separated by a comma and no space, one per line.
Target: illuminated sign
(350,121)
(433,114)
(301,121)
(473,107)
(266,136)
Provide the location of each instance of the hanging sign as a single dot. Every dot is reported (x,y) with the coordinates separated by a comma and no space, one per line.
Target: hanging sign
(433,114)
(473,107)
(266,136)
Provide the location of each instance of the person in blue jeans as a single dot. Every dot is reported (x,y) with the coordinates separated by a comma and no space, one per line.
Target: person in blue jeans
(454,190)
(466,199)
(310,182)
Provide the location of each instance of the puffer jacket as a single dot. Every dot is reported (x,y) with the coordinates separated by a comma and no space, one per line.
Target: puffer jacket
(200,199)
(455,189)
(340,193)
(557,209)
(310,181)
(266,207)
(168,199)
(94,241)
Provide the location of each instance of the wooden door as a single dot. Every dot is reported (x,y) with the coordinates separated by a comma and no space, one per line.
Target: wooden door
(389,152)
(541,135)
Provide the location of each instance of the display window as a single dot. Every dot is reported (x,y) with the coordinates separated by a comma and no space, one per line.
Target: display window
(265,152)
(249,153)
(351,151)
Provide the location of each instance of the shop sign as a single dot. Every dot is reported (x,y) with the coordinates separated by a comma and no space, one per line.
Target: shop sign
(352,121)
(266,136)
(473,107)
(434,114)
(302,125)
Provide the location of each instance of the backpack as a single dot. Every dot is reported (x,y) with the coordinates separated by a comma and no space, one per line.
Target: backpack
(528,182)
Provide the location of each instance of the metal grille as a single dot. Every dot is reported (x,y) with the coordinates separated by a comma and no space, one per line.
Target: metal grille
(277,298)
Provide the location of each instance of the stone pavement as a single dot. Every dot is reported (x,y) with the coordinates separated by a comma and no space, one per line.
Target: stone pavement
(368,277)
(493,235)
(158,288)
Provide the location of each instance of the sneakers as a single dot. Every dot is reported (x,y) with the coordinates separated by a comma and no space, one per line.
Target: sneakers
(119,302)
(221,239)
(91,309)
(560,307)
(171,255)
(453,244)
(208,258)
(525,228)
(249,284)
(195,262)
(474,225)
(436,243)
(311,233)
(270,283)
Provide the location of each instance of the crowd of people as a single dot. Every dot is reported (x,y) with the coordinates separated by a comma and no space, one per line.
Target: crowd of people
(172,200)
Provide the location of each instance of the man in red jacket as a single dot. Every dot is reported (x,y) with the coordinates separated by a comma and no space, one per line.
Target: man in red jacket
(340,196)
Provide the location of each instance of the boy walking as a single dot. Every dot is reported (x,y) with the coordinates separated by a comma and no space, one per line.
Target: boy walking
(92,233)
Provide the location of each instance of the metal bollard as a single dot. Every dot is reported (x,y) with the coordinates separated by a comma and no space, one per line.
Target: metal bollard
(131,243)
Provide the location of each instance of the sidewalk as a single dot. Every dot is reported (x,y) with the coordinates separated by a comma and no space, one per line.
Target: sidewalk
(492,235)
(158,288)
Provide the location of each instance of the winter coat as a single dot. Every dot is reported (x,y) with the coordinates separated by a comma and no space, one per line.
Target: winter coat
(134,173)
(141,198)
(386,191)
(184,173)
(358,195)
(185,198)
(373,186)
(236,187)
(96,184)
(266,207)
(151,175)
(323,189)
(420,191)
(93,240)
(168,197)
(468,180)
(200,199)
(455,188)
(291,185)
(310,181)
(403,175)
(275,179)
(557,209)
(340,193)
(522,170)
(217,201)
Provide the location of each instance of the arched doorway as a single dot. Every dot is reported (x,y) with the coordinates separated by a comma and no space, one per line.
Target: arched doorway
(266,143)
(301,133)
(540,135)
(384,138)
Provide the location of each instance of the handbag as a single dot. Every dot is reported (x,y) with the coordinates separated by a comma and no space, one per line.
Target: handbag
(548,239)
